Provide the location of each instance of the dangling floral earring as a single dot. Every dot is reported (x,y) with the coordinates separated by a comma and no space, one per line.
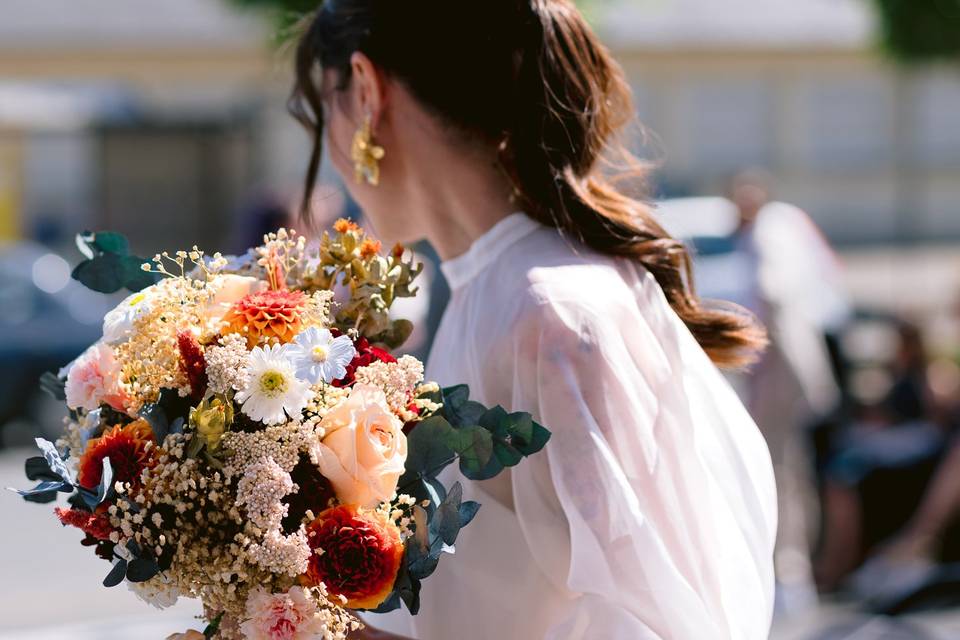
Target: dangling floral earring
(366,155)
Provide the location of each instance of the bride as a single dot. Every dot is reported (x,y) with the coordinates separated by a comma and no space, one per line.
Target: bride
(485,128)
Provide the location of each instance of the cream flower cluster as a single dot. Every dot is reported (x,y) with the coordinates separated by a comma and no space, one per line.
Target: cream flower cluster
(260,492)
(227,364)
(397,380)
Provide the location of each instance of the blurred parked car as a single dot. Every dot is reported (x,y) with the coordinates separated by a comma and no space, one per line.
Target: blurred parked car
(46,320)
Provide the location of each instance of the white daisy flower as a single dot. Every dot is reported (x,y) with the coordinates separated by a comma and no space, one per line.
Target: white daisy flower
(273,391)
(118,323)
(317,355)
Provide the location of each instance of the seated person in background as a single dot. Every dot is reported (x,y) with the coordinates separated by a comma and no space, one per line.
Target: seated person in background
(881,465)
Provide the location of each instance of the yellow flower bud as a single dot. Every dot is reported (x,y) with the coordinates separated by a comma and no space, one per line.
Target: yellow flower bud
(211,418)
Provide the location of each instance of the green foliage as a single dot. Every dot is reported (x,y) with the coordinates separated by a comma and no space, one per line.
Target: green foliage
(109,267)
(485,441)
(920,30)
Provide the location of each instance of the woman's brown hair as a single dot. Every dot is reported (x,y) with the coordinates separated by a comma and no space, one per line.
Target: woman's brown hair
(530,78)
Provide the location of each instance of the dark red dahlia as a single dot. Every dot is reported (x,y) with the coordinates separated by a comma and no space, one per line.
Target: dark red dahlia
(360,555)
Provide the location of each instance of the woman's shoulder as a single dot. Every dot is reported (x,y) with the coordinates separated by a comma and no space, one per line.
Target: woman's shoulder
(557,285)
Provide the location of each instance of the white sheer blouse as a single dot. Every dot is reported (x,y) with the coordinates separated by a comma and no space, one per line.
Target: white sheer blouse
(652,511)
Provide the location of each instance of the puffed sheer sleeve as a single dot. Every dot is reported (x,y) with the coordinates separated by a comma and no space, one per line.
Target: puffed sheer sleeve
(644,507)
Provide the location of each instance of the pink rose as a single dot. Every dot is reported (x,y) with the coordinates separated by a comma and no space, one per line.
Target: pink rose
(94,379)
(228,289)
(282,616)
(364,449)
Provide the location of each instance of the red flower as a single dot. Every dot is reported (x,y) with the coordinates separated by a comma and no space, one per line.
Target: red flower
(367,354)
(96,525)
(125,446)
(191,359)
(360,558)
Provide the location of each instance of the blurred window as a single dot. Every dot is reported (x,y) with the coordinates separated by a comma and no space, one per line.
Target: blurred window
(937,121)
(730,124)
(849,125)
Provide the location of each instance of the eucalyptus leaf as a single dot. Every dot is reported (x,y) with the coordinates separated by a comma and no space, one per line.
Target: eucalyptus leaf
(117,573)
(213,627)
(468,510)
(446,520)
(104,273)
(111,242)
(458,409)
(408,587)
(104,491)
(474,445)
(37,468)
(44,492)
(54,461)
(141,569)
(54,385)
(108,266)
(428,452)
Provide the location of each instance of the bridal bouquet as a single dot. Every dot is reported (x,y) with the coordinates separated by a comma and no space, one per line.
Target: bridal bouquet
(241,436)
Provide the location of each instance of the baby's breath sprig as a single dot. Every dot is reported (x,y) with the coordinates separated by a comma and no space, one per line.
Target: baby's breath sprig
(183,263)
(282,255)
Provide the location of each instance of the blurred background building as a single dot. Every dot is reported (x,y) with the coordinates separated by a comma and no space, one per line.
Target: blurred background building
(166,121)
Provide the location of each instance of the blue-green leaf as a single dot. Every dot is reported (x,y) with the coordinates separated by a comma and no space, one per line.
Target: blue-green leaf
(117,573)
(54,461)
(104,274)
(458,409)
(53,385)
(468,510)
(141,569)
(111,242)
(37,468)
(428,451)
(44,492)
(104,491)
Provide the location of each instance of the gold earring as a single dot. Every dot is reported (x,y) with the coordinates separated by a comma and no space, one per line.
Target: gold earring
(366,155)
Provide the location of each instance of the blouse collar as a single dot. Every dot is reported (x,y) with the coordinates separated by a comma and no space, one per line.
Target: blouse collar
(487,248)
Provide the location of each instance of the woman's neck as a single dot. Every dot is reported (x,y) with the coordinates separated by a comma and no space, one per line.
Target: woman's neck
(460,197)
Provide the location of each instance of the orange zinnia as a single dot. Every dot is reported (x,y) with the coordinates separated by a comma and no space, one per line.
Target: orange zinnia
(266,314)
(126,448)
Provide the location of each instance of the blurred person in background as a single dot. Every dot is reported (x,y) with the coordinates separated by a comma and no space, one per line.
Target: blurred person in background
(922,415)
(879,467)
(792,281)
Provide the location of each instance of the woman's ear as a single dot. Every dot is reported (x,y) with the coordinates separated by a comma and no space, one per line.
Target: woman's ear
(369,90)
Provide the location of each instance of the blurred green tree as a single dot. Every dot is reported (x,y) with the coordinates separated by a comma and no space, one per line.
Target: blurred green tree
(920,30)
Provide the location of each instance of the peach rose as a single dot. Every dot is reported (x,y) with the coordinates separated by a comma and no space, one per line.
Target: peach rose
(364,449)
(229,288)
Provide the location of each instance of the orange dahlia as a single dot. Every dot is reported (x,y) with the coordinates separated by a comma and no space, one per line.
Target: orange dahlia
(125,446)
(361,555)
(266,314)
